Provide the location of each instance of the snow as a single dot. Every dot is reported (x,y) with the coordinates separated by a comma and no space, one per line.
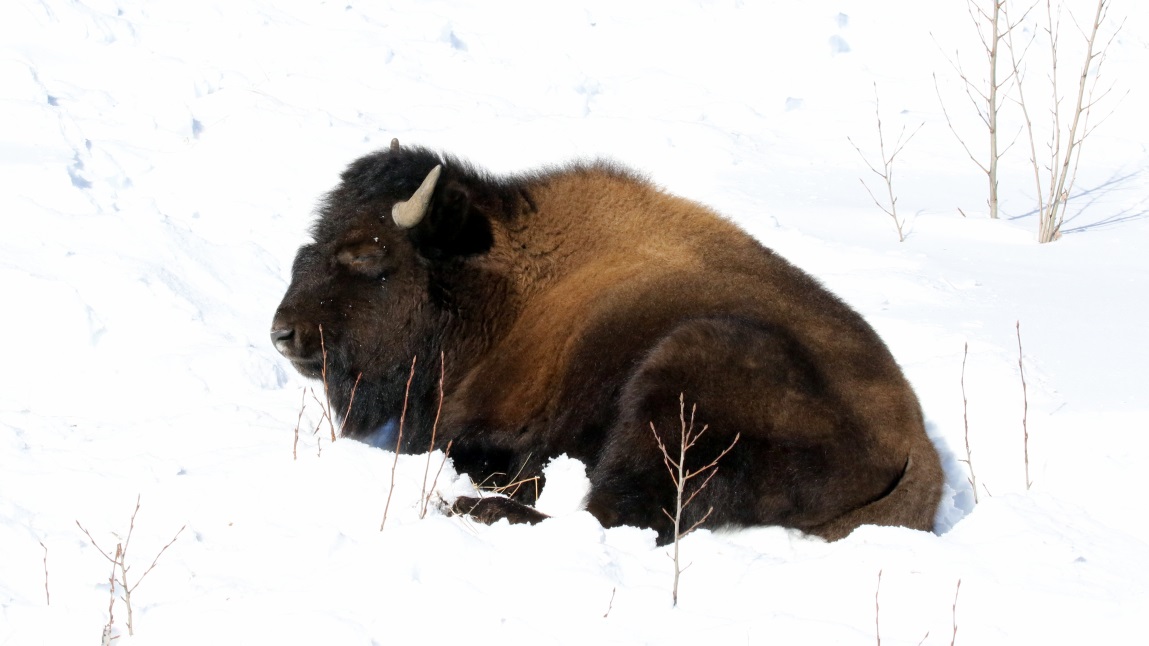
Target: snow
(160,163)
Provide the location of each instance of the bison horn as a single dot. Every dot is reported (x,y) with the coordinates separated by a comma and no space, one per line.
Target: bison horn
(408,214)
(394,145)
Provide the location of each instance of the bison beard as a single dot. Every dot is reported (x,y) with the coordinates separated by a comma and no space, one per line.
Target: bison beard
(574,306)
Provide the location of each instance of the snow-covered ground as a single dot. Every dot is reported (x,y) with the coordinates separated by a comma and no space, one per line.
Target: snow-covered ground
(159,163)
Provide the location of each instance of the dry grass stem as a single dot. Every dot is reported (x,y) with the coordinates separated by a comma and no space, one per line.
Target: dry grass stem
(512,487)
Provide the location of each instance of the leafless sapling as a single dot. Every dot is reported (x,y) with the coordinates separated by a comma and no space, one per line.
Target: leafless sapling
(119,561)
(887,164)
(992,27)
(1065,141)
(680,475)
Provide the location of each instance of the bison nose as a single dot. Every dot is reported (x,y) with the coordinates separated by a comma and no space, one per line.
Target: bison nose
(281,339)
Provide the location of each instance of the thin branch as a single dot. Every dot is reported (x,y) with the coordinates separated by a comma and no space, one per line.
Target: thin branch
(950,125)
(298,421)
(878,610)
(354,387)
(398,443)
(965,416)
(1025,408)
(426,495)
(111,598)
(326,393)
(435,481)
(953,638)
(157,559)
(47,595)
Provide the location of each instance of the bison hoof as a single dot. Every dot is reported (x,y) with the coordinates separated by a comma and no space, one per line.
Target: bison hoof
(490,510)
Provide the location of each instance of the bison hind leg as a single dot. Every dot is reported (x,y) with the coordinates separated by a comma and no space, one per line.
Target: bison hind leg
(802,460)
(495,508)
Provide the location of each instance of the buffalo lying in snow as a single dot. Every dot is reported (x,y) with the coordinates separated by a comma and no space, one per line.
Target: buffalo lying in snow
(574,306)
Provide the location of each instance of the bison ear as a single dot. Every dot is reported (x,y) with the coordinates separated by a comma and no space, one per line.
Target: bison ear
(452,226)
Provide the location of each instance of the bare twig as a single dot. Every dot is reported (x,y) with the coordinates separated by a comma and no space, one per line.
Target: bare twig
(298,421)
(426,495)
(965,416)
(878,610)
(610,605)
(1025,407)
(354,387)
(953,639)
(398,443)
(107,634)
(887,172)
(324,414)
(680,475)
(435,481)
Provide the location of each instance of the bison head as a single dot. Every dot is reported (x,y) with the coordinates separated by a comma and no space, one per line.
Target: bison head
(374,288)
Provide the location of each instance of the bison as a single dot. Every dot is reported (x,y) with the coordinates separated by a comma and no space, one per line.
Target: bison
(573,308)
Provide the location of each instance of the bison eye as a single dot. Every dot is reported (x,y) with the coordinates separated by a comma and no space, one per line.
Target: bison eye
(364,260)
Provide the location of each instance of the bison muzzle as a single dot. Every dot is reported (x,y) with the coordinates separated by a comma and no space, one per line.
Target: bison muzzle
(573,308)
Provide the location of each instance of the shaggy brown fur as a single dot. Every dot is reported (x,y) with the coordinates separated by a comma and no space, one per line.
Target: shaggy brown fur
(573,307)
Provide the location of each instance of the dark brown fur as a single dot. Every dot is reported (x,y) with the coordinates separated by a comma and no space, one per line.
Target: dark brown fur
(573,307)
